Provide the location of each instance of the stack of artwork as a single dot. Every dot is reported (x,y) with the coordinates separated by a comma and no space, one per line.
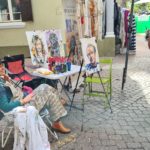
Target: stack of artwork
(43,44)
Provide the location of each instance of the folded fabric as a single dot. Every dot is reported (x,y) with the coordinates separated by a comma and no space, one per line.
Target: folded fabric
(44,71)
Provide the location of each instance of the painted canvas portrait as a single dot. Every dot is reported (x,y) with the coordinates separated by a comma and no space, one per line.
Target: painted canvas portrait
(90,55)
(54,41)
(38,47)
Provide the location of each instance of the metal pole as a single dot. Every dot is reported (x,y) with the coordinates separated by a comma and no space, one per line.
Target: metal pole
(128,45)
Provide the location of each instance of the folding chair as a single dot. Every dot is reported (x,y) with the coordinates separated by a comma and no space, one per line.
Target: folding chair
(105,80)
(46,118)
(9,127)
(15,68)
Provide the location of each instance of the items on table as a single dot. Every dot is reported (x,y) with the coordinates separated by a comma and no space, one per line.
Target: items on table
(59,64)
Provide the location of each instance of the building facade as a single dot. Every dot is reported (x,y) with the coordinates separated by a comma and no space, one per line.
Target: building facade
(41,15)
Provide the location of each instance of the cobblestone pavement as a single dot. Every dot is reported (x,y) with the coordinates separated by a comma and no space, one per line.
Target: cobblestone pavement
(128,127)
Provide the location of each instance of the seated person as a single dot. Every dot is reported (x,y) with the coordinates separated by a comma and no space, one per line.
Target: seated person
(43,96)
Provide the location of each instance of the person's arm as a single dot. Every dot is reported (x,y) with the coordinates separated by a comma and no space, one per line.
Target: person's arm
(5,104)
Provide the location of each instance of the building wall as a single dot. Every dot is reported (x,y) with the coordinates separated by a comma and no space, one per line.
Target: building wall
(47,14)
(106,47)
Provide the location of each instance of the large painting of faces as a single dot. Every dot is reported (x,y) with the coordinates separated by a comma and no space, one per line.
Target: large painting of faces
(43,44)
(38,47)
(90,55)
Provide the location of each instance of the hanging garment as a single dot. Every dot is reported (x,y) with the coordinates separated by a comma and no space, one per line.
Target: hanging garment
(122,33)
(79,18)
(87,18)
(116,19)
(126,21)
(132,42)
(100,16)
(92,16)
(87,30)
(104,19)
(30,132)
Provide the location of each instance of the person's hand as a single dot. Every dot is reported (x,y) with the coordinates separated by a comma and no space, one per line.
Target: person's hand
(27,99)
(5,77)
(22,109)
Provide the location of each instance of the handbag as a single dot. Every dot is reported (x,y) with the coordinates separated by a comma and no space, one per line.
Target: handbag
(16,92)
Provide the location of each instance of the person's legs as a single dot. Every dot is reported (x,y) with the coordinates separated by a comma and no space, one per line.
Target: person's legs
(52,83)
(47,96)
(149,42)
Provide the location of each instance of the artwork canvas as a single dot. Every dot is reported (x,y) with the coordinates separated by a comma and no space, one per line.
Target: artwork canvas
(90,55)
(38,47)
(68,25)
(54,42)
(72,36)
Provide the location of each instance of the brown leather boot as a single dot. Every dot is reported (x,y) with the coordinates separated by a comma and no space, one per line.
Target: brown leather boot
(58,126)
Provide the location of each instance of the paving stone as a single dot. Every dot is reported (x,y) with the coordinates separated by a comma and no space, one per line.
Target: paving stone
(103,136)
(122,122)
(146,146)
(121,132)
(115,137)
(133,133)
(121,144)
(134,145)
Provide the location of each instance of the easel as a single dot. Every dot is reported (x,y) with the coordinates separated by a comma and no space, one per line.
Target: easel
(128,45)
(99,75)
(76,84)
(69,78)
(98,72)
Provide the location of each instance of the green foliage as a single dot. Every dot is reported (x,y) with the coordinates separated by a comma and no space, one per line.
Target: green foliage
(138,8)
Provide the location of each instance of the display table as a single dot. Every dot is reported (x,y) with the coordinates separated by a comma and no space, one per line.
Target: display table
(74,69)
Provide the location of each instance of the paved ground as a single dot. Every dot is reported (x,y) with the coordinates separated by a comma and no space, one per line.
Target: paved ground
(128,127)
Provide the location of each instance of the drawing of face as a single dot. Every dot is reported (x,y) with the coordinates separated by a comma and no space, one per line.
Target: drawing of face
(53,40)
(91,53)
(38,46)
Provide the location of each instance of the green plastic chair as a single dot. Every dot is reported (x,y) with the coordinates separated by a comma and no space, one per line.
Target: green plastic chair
(104,80)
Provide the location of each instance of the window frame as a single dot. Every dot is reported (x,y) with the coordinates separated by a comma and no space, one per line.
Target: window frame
(11,14)
(12,23)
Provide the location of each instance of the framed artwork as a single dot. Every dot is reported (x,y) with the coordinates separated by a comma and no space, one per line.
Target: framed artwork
(90,55)
(72,37)
(38,47)
(54,41)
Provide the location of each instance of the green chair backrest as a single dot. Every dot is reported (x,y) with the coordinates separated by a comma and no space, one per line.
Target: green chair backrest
(106,60)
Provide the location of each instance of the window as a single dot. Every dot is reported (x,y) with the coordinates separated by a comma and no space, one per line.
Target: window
(15,10)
